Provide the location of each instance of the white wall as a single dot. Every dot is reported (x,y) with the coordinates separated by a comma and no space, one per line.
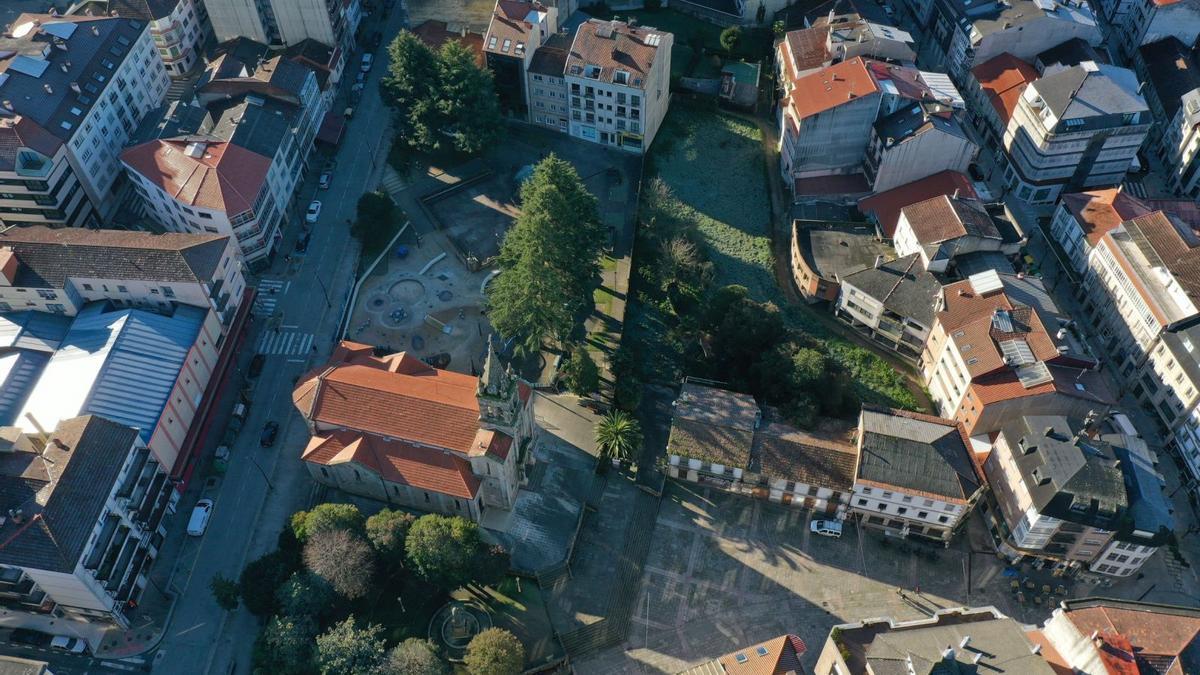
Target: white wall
(922,156)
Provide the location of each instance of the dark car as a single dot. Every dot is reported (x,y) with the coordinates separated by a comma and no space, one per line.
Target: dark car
(302,242)
(975,172)
(25,636)
(269,432)
(256,364)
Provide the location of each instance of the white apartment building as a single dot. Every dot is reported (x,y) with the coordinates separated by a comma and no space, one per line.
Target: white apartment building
(175,26)
(942,228)
(916,477)
(618,78)
(546,85)
(1129,24)
(915,142)
(73,90)
(81,548)
(1075,128)
(331,22)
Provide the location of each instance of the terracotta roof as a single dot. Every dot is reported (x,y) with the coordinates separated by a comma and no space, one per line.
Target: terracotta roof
(508,24)
(22,132)
(942,218)
(1098,212)
(491,442)
(1002,79)
(220,176)
(397,396)
(1004,385)
(396,461)
(969,321)
(551,57)
(1165,639)
(436,33)
(885,206)
(900,80)
(785,452)
(1052,656)
(613,46)
(774,657)
(805,50)
(831,87)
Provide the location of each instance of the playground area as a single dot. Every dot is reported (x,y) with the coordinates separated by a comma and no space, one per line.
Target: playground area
(476,202)
(420,299)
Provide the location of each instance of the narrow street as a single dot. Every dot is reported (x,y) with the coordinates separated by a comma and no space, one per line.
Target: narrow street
(298,312)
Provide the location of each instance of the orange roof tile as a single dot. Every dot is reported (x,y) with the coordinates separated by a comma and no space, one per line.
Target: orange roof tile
(219,176)
(397,396)
(396,461)
(508,24)
(1157,635)
(782,655)
(805,50)
(492,442)
(613,46)
(886,205)
(436,33)
(1002,79)
(942,218)
(1098,212)
(831,87)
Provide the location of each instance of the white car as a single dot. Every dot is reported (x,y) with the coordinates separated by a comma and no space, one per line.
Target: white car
(314,212)
(826,528)
(198,523)
(367,61)
(68,644)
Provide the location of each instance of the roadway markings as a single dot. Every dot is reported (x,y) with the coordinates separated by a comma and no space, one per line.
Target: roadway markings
(1135,188)
(287,343)
(268,290)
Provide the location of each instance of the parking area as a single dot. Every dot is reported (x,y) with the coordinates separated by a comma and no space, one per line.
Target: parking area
(726,571)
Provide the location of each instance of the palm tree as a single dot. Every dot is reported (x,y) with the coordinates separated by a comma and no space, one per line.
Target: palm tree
(618,434)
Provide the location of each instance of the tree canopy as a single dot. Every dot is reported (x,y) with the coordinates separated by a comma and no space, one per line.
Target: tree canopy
(443,549)
(549,258)
(286,644)
(618,436)
(375,222)
(343,559)
(387,531)
(440,99)
(346,649)
(327,516)
(415,656)
(495,651)
(580,373)
(305,594)
(261,578)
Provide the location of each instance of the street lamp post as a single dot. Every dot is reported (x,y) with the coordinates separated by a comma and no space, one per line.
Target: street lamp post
(325,291)
(270,485)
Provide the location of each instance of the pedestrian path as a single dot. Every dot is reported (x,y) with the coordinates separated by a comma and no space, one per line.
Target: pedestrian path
(1135,188)
(269,291)
(286,343)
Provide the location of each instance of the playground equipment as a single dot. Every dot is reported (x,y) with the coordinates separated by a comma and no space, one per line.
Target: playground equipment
(432,321)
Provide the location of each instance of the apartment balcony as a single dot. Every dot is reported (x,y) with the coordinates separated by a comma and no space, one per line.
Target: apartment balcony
(33,165)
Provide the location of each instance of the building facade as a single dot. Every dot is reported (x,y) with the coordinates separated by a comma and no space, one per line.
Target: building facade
(175,26)
(914,143)
(618,79)
(331,22)
(1171,71)
(73,90)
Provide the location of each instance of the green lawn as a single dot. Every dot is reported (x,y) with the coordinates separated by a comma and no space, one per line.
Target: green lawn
(401,619)
(714,166)
(516,605)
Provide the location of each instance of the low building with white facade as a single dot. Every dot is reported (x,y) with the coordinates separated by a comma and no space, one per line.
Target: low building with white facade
(85,503)
(893,302)
(175,27)
(916,477)
(618,79)
(916,142)
(943,228)
(73,89)
(1073,129)
(547,85)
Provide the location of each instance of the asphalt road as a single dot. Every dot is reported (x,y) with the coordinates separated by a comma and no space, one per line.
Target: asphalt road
(62,663)
(249,512)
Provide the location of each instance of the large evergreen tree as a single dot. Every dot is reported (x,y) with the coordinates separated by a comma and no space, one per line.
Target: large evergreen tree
(468,105)
(549,258)
(410,88)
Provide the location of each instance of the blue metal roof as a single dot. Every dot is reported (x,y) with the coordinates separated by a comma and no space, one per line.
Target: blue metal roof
(120,364)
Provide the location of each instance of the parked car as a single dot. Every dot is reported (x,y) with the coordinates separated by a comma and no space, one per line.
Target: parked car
(256,364)
(826,528)
(268,434)
(313,212)
(68,644)
(198,523)
(975,172)
(27,636)
(367,61)
(302,242)
(325,180)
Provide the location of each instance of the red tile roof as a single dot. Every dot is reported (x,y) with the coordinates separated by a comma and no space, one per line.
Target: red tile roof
(942,218)
(1157,635)
(614,46)
(831,87)
(436,33)
(396,461)
(397,396)
(1098,212)
(1002,79)
(886,206)
(805,50)
(1176,244)
(782,655)
(221,176)
(492,442)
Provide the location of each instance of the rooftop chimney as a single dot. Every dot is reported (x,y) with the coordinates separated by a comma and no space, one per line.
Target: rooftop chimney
(965,641)
(878,261)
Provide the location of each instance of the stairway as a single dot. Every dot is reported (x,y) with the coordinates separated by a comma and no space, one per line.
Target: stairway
(392,184)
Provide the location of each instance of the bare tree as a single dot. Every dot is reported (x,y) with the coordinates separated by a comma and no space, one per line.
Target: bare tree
(343,559)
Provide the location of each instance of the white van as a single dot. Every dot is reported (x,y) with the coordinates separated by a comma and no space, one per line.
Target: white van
(198,523)
(367,61)
(826,528)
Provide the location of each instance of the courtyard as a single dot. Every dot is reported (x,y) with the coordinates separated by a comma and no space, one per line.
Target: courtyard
(726,571)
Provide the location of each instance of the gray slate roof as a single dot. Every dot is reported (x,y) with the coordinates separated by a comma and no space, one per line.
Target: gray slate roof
(257,128)
(61,493)
(1174,71)
(47,257)
(86,52)
(1091,91)
(1061,472)
(1149,506)
(1002,642)
(902,286)
(916,452)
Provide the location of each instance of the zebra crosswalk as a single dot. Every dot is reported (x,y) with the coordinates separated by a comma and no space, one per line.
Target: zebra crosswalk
(286,343)
(269,291)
